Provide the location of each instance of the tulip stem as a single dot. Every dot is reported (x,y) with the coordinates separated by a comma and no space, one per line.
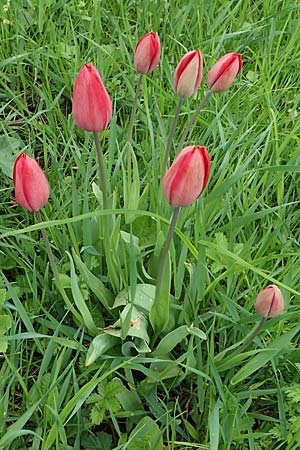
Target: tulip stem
(55,270)
(157,313)
(171,135)
(245,342)
(113,276)
(194,117)
(134,105)
(102,171)
(252,335)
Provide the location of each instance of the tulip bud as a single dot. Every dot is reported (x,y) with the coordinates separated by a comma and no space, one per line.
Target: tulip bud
(31,185)
(147,53)
(269,302)
(188,74)
(224,72)
(92,107)
(187,176)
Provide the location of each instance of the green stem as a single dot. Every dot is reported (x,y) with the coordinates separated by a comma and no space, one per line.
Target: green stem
(171,135)
(251,336)
(102,171)
(240,347)
(55,269)
(134,105)
(155,310)
(194,117)
(113,276)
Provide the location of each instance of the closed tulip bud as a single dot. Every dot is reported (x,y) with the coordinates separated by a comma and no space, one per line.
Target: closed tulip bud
(269,302)
(188,74)
(92,107)
(31,185)
(224,72)
(147,53)
(187,176)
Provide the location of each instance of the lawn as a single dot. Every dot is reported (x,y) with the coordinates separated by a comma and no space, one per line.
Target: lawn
(92,356)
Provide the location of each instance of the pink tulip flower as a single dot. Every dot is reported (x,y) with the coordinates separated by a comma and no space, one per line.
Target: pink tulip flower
(31,184)
(269,302)
(147,53)
(92,107)
(188,74)
(187,176)
(224,72)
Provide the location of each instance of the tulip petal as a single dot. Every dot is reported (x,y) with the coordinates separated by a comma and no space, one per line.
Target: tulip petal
(224,72)
(187,176)
(91,106)
(31,184)
(147,53)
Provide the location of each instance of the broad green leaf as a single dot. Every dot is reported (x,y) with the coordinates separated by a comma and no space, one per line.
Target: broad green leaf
(138,323)
(99,345)
(166,369)
(170,341)
(133,348)
(173,338)
(145,436)
(197,332)
(144,295)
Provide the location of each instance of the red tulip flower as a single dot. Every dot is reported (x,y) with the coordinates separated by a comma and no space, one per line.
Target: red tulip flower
(269,302)
(188,74)
(31,185)
(187,176)
(147,53)
(92,107)
(224,72)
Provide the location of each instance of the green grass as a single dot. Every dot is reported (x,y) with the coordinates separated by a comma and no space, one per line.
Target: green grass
(241,235)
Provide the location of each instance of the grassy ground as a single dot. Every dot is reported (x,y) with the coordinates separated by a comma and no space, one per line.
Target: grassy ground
(242,234)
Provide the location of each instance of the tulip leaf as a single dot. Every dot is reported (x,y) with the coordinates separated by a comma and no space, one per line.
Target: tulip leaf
(137,324)
(144,295)
(146,435)
(99,345)
(170,341)
(133,348)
